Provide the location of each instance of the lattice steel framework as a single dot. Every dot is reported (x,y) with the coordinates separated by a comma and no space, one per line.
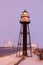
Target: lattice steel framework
(24,41)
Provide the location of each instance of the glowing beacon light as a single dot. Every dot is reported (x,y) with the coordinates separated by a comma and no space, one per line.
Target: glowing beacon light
(25,17)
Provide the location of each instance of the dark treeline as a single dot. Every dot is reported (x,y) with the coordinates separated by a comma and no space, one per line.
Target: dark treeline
(7,51)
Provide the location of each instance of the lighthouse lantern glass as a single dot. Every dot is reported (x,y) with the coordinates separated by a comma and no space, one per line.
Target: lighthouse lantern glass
(24,17)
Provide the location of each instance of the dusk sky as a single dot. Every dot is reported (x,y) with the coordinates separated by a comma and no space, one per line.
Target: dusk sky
(10,12)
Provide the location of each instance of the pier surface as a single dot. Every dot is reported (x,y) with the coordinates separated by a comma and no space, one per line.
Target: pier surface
(13,60)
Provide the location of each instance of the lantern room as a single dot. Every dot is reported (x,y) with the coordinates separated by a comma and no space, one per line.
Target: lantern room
(25,17)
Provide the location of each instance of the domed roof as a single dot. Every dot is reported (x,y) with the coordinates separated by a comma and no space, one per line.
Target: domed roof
(24,16)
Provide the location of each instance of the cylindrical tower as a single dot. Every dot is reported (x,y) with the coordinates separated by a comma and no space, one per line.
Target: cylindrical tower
(25,21)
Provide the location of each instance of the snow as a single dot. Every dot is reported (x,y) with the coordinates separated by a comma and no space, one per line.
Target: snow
(31,61)
(9,60)
(12,59)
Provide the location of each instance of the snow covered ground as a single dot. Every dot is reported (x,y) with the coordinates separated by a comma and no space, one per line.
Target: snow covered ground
(12,59)
(9,60)
(31,61)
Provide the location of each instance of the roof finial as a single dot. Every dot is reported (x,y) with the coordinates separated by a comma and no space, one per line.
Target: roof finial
(25,11)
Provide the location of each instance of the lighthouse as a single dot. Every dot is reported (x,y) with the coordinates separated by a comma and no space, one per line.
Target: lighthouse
(24,35)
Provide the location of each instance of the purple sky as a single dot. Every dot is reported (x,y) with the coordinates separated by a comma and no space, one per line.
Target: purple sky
(10,12)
